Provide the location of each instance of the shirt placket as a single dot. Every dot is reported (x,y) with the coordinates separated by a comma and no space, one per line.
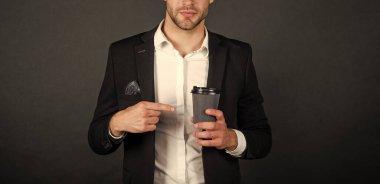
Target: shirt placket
(180,118)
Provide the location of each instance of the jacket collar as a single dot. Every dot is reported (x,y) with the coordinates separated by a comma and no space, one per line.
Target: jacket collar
(145,63)
(149,35)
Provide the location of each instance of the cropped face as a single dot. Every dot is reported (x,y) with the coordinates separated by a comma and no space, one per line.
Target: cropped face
(187,14)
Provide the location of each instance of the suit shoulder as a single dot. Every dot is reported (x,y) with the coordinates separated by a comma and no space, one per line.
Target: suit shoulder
(127,42)
(233,43)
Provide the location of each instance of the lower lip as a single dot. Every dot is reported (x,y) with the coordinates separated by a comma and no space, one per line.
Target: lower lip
(188,15)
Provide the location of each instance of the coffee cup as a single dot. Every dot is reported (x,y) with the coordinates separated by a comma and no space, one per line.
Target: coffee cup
(204,98)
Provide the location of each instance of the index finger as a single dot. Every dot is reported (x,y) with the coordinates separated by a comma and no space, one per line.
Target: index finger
(158,106)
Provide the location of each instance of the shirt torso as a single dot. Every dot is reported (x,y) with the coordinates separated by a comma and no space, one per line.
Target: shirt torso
(178,159)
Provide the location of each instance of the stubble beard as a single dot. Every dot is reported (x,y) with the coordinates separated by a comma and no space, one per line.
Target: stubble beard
(186,24)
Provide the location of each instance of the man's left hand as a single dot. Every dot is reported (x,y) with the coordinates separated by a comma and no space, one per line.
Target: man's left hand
(217,132)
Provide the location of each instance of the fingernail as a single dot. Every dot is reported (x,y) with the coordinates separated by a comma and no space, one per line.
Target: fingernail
(172,109)
(207,111)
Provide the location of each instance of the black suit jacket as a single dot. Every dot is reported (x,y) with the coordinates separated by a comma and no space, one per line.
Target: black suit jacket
(230,69)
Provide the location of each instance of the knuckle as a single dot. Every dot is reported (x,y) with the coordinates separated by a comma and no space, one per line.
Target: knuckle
(214,134)
(154,120)
(142,104)
(204,134)
(143,113)
(166,107)
(144,120)
(160,106)
(210,134)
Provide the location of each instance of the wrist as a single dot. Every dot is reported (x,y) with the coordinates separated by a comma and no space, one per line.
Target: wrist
(233,142)
(114,129)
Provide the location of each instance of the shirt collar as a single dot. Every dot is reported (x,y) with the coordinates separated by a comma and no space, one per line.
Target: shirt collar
(161,41)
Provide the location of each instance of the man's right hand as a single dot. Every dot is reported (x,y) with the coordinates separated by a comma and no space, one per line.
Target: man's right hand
(139,118)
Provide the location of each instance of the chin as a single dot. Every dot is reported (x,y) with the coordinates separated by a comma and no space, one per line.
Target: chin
(187,27)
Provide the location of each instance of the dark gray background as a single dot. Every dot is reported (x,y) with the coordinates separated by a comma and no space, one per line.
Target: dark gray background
(317,63)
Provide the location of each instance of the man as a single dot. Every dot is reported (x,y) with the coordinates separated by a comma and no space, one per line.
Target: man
(145,102)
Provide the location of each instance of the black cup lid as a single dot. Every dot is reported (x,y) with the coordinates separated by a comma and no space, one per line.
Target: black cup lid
(204,90)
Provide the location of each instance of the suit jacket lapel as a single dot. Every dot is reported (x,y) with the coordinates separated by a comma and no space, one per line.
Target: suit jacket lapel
(145,65)
(217,62)
(144,53)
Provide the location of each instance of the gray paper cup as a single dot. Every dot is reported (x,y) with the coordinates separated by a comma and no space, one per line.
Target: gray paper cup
(204,98)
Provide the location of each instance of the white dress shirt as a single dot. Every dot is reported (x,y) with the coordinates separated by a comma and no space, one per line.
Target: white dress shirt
(178,158)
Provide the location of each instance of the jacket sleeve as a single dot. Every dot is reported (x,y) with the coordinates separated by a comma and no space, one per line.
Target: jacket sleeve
(252,120)
(106,107)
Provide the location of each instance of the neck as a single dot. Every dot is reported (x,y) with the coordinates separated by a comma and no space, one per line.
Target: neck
(184,41)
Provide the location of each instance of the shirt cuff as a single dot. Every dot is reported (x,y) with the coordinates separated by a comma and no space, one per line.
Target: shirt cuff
(242,144)
(114,137)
